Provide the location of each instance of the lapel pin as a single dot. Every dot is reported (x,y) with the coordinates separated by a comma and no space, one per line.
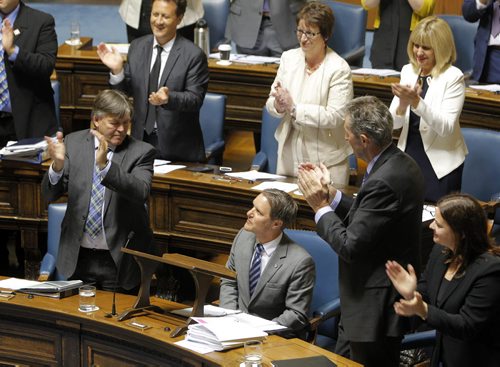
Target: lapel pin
(16,32)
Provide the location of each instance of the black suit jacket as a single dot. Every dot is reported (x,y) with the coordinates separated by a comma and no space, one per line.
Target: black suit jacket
(31,94)
(186,76)
(128,184)
(382,223)
(467,319)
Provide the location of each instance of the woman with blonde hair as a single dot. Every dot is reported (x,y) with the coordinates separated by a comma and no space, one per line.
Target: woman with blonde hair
(310,92)
(427,105)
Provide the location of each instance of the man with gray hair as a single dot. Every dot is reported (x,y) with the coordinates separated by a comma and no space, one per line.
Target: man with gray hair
(382,223)
(275,276)
(107,177)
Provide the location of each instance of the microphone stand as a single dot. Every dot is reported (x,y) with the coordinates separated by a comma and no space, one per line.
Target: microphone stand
(113,307)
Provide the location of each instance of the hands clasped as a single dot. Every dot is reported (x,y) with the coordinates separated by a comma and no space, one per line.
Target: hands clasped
(283,101)
(313,183)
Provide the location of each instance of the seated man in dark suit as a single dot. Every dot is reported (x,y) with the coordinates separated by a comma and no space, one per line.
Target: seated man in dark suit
(167,106)
(275,276)
(107,177)
(383,222)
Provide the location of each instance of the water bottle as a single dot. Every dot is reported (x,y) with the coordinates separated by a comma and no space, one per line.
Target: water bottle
(202,36)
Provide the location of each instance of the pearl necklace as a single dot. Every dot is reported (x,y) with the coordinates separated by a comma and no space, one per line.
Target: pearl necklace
(310,70)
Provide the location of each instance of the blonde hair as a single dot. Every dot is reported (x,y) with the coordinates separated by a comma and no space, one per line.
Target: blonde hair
(435,33)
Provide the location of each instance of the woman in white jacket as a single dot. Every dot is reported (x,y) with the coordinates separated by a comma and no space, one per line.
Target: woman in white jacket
(427,104)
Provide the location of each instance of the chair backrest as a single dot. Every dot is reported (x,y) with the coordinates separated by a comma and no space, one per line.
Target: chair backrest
(481,174)
(463,34)
(268,143)
(348,38)
(56,214)
(216,13)
(212,115)
(56,87)
(326,287)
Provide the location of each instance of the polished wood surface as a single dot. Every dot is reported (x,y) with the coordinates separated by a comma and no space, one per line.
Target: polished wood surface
(82,76)
(49,332)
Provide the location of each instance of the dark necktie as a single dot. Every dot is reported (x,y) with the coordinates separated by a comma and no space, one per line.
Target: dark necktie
(4,88)
(254,274)
(154,77)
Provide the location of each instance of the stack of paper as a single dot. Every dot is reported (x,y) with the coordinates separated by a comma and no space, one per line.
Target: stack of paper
(220,333)
(26,150)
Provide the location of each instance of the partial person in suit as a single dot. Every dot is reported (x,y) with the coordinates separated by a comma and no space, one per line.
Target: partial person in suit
(383,222)
(28,50)
(393,23)
(458,294)
(486,67)
(106,175)
(136,15)
(167,105)
(280,288)
(263,27)
(427,104)
(309,94)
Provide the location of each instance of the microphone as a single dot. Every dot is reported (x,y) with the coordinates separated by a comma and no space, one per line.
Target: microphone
(113,307)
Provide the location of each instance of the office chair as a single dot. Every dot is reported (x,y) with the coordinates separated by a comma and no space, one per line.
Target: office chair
(216,13)
(212,115)
(48,266)
(325,305)
(463,34)
(56,86)
(348,38)
(266,159)
(481,174)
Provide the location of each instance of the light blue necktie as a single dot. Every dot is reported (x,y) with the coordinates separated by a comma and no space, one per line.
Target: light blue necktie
(4,87)
(93,226)
(255,268)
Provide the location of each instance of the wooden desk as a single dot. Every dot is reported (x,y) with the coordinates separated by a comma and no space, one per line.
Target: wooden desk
(82,76)
(190,212)
(50,332)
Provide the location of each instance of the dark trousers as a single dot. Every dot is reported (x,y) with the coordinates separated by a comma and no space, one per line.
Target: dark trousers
(7,128)
(96,266)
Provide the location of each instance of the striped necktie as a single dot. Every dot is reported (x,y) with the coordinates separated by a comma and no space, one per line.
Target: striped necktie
(93,225)
(4,87)
(255,268)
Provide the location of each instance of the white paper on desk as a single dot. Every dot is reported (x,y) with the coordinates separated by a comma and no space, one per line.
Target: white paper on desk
(241,319)
(16,283)
(283,186)
(208,310)
(255,175)
(376,72)
(168,168)
(248,59)
(428,213)
(196,347)
(160,162)
(489,87)
(120,47)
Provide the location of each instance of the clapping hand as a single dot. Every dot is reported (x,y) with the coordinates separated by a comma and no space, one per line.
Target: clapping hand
(283,101)
(110,57)
(404,281)
(57,151)
(313,183)
(160,97)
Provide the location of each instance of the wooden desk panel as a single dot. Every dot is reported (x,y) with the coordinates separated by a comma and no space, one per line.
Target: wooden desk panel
(51,332)
(82,75)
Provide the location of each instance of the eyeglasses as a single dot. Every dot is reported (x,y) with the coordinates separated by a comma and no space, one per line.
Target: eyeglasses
(309,35)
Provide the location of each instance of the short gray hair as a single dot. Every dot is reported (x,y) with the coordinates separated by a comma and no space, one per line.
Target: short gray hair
(111,102)
(369,116)
(283,207)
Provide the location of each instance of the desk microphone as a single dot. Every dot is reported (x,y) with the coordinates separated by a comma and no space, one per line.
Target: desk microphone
(113,308)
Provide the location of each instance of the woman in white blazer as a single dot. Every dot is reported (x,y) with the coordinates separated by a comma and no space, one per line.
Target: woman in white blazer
(311,89)
(427,104)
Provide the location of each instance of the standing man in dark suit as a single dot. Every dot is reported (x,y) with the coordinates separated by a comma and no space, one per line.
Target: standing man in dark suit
(280,287)
(28,51)
(107,177)
(486,67)
(167,76)
(263,27)
(383,222)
